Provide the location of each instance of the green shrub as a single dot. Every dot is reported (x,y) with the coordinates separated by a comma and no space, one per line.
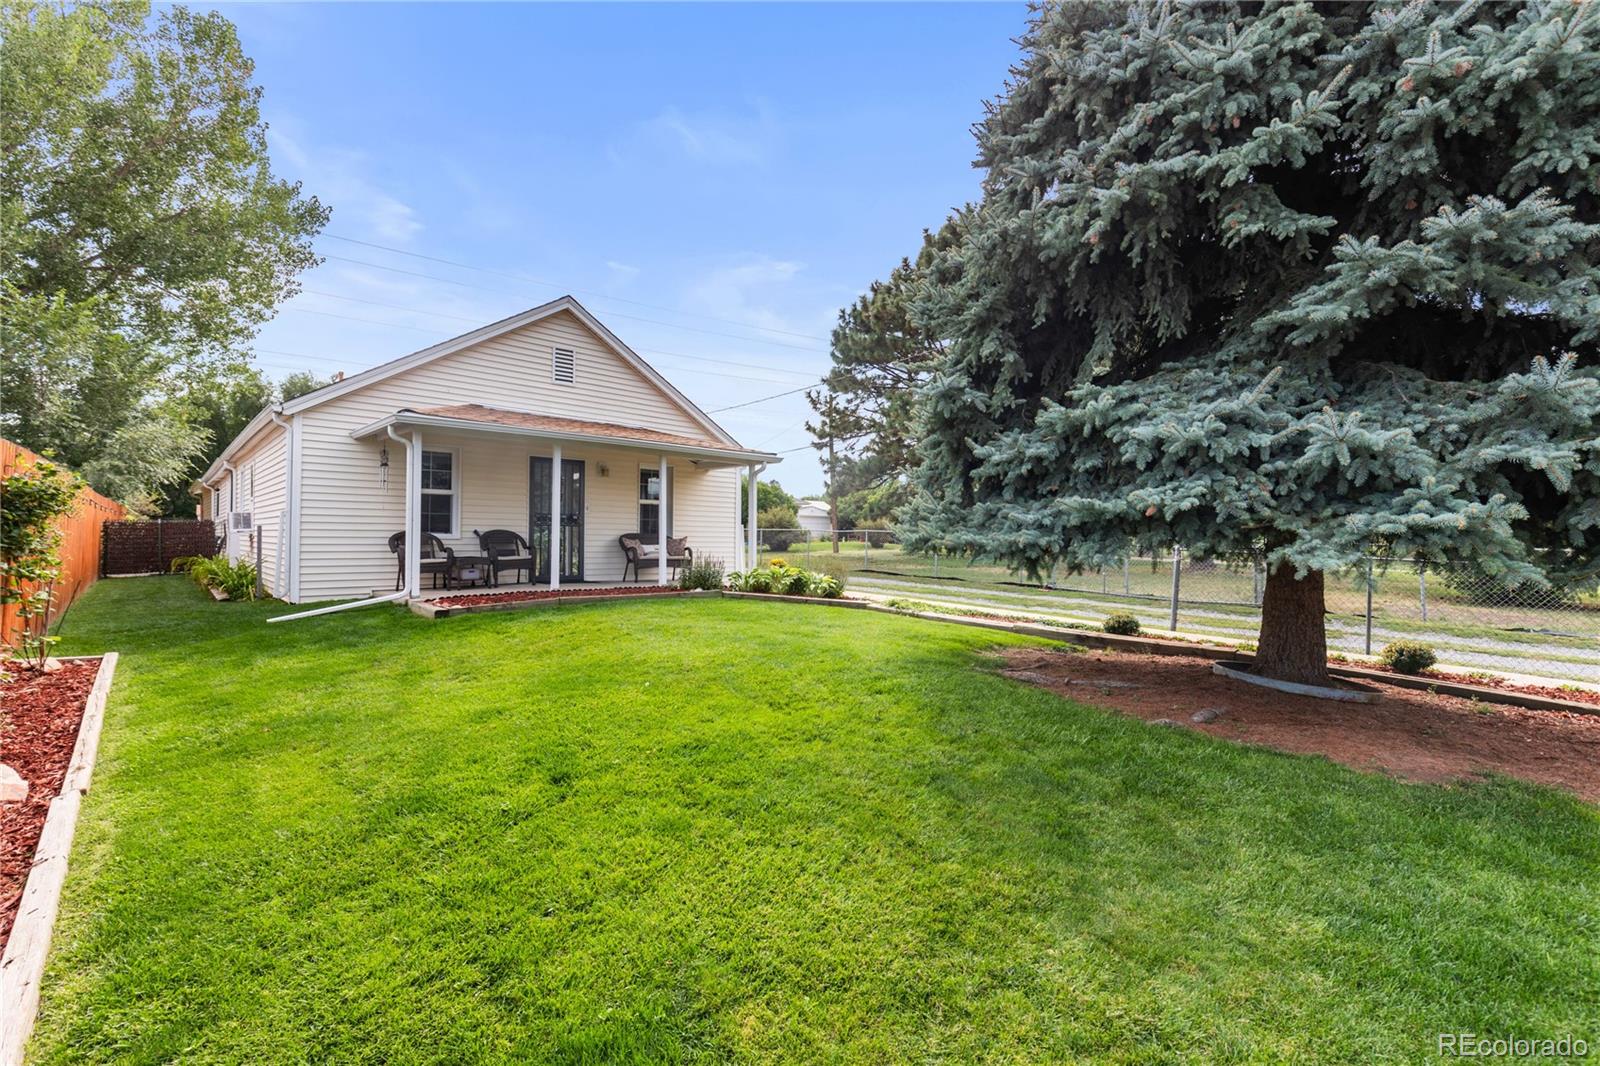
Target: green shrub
(1408,656)
(236,580)
(790,581)
(1122,623)
(824,586)
(184,564)
(701,574)
(779,528)
(759,580)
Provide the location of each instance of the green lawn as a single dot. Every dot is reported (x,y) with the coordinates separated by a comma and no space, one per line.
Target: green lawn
(721,830)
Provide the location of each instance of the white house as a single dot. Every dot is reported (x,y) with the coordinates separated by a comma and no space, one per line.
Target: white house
(463,437)
(816,517)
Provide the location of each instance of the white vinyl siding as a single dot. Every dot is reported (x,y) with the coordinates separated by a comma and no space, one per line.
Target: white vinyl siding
(347,515)
(259,484)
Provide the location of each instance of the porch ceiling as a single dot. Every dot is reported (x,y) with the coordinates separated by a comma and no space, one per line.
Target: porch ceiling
(475,418)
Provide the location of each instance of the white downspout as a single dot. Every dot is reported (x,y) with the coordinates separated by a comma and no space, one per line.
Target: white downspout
(227,519)
(412,547)
(750,531)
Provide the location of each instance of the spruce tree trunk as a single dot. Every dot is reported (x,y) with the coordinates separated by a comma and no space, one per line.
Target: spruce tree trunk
(1293,645)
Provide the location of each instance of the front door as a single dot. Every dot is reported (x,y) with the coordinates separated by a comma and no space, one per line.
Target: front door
(571,553)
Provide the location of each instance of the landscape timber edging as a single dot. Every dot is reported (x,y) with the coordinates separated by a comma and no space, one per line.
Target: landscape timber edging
(1239,670)
(22,967)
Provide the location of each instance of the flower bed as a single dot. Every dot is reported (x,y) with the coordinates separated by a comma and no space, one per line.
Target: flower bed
(478,599)
(42,715)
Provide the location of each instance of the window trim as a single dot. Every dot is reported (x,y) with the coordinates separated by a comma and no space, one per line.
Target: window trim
(665,498)
(454,492)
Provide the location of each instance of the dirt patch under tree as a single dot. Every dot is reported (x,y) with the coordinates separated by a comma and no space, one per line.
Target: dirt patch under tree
(1411,734)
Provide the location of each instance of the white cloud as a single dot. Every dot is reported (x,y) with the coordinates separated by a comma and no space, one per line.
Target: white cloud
(710,138)
(748,292)
(621,273)
(339,178)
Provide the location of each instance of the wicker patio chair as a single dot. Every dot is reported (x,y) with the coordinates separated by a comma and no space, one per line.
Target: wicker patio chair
(506,550)
(436,558)
(637,552)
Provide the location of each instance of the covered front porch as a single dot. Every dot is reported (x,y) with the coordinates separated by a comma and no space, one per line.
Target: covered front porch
(483,509)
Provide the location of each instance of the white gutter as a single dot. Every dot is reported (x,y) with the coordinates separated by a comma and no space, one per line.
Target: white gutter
(392,597)
(728,456)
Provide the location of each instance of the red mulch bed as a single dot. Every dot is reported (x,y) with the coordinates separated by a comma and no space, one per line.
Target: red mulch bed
(1412,734)
(1504,684)
(474,599)
(39,731)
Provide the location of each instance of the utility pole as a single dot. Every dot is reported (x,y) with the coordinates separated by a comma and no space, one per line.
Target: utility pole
(833,481)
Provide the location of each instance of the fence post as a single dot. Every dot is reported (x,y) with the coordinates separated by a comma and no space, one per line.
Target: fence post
(1422,590)
(261,589)
(1255,576)
(1177,569)
(161,561)
(1127,585)
(936,562)
(1369,606)
(866,547)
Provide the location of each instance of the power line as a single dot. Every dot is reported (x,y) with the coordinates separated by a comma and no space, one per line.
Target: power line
(464,318)
(587,292)
(682,370)
(764,399)
(609,314)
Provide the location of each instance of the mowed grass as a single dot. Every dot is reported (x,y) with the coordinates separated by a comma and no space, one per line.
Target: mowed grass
(717,830)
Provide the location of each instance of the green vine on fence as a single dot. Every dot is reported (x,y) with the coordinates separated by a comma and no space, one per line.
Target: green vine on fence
(32,499)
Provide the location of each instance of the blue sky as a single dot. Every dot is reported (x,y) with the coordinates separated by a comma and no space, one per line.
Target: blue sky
(713,181)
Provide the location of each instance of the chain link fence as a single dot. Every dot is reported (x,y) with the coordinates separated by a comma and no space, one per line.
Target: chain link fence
(1470,619)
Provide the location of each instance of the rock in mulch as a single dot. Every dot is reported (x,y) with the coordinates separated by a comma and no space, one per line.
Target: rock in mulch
(1207,714)
(13,789)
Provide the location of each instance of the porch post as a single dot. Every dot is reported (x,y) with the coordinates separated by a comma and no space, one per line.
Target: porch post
(414,516)
(753,556)
(556,484)
(661,521)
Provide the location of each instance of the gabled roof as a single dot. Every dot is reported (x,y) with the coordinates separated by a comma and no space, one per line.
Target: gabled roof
(495,329)
(427,355)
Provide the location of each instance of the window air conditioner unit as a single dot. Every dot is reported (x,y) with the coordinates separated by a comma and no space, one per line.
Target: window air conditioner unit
(239,521)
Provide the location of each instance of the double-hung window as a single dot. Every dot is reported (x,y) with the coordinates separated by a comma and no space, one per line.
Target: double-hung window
(650,496)
(441,495)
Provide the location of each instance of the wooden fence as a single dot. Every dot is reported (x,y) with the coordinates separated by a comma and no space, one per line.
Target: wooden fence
(80,540)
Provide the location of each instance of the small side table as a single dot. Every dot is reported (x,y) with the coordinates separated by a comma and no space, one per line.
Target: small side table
(469,569)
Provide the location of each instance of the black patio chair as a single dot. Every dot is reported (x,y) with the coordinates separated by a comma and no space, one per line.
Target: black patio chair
(506,550)
(436,558)
(635,548)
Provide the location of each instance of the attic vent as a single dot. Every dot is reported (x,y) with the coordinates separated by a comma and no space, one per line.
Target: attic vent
(562,368)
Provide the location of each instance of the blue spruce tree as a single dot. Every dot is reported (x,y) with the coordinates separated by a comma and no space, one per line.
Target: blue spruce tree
(1292,282)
